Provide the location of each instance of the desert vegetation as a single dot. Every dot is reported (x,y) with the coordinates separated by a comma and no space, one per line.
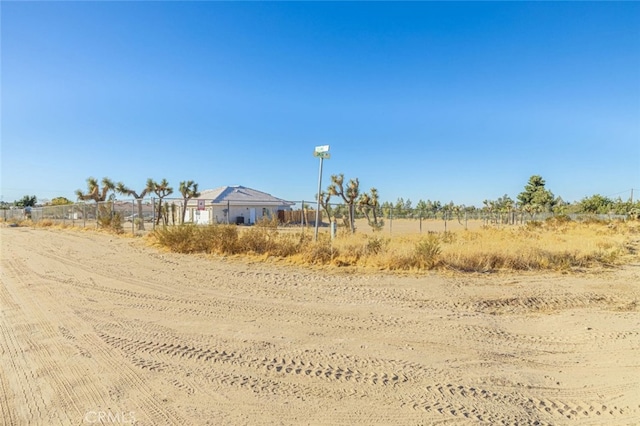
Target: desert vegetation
(558,244)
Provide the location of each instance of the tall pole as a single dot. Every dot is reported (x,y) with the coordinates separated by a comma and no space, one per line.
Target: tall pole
(318,200)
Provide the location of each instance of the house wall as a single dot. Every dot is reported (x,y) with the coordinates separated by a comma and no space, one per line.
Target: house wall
(217,213)
(220,215)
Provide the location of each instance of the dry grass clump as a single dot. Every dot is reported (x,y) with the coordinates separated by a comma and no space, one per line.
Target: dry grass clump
(14,222)
(552,245)
(262,239)
(45,223)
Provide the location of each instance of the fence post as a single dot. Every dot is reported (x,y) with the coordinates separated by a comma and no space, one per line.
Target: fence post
(153,208)
(390,220)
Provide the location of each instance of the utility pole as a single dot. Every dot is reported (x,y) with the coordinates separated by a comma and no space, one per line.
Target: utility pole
(321,152)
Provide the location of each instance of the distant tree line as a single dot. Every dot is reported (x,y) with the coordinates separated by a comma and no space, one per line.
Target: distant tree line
(535,198)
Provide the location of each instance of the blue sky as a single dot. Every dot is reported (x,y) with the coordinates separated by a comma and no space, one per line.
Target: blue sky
(444,101)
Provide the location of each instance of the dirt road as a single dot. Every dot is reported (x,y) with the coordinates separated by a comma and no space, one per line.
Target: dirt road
(99,329)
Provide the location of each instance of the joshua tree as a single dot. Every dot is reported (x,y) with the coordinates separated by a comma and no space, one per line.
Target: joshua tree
(124,190)
(458,210)
(489,206)
(94,192)
(375,203)
(370,203)
(162,190)
(434,207)
(324,203)
(349,196)
(99,195)
(504,206)
(189,190)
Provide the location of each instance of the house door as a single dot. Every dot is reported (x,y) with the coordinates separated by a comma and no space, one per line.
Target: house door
(202,217)
(252,216)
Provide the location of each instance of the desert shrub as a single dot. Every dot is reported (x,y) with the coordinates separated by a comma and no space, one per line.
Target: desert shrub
(377,226)
(519,248)
(593,220)
(448,237)
(556,220)
(423,254)
(111,221)
(179,239)
(222,239)
(376,245)
(257,240)
(268,223)
(533,224)
(349,255)
(398,260)
(189,238)
(427,252)
(317,252)
(14,222)
(607,257)
(286,245)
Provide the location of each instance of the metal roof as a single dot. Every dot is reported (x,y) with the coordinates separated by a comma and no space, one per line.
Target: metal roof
(239,194)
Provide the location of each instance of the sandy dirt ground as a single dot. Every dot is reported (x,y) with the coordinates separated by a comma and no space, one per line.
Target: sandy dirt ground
(100,329)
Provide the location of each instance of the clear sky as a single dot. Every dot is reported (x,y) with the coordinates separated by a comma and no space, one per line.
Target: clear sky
(444,101)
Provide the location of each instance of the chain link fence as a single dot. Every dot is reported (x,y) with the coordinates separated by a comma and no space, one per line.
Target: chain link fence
(143,215)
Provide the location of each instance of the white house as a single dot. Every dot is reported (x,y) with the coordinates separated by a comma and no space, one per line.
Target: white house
(235,205)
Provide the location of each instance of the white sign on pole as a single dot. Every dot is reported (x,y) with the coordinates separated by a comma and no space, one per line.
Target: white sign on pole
(322,148)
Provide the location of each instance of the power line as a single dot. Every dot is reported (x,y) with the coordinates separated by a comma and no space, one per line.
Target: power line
(621,192)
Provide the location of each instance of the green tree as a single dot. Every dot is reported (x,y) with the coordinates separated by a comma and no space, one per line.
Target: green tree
(121,188)
(535,197)
(434,207)
(560,206)
(27,201)
(421,208)
(386,208)
(408,208)
(189,190)
(398,209)
(60,201)
(350,195)
(596,204)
